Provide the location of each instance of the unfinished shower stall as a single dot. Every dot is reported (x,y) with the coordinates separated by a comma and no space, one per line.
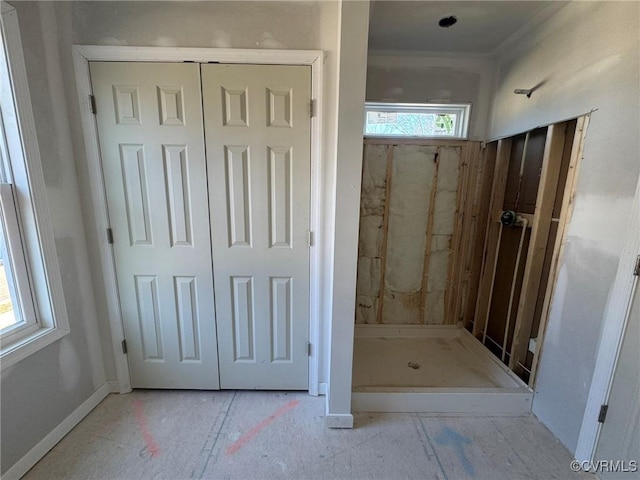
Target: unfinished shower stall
(531,203)
(457,253)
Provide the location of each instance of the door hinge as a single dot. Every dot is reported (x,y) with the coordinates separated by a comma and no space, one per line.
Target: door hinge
(636,270)
(109,236)
(124,347)
(310,238)
(309,349)
(312,108)
(92,104)
(603,413)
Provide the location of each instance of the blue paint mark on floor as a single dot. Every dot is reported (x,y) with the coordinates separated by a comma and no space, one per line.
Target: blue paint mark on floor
(449,436)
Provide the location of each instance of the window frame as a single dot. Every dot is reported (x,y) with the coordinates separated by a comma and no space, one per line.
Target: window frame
(26,218)
(16,269)
(462,110)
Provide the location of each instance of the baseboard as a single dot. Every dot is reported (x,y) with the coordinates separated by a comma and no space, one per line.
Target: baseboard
(339,420)
(322,389)
(114,386)
(23,465)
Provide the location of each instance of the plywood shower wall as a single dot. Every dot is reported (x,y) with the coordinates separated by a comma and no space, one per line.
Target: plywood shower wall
(417,207)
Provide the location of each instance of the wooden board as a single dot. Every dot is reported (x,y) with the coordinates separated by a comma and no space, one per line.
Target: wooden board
(479,224)
(548,185)
(429,234)
(458,286)
(385,230)
(490,253)
(565,215)
(524,369)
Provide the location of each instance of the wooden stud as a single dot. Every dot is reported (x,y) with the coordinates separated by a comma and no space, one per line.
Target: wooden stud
(512,293)
(492,234)
(456,260)
(497,212)
(479,217)
(473,193)
(451,287)
(364,159)
(461,270)
(471,222)
(385,231)
(429,233)
(549,176)
(523,159)
(577,150)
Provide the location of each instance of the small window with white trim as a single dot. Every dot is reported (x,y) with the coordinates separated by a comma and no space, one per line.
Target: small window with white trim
(32,307)
(417,120)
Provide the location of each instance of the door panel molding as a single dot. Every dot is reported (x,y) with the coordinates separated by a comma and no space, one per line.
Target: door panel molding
(259,210)
(82,55)
(148,189)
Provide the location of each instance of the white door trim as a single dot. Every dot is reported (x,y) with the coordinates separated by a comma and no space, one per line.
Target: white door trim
(82,55)
(615,322)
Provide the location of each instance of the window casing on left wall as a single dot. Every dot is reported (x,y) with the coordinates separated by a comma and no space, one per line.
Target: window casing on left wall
(32,307)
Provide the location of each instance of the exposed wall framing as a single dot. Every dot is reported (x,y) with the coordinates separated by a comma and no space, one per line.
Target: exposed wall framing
(563,209)
(534,175)
(463,280)
(420,211)
(433,248)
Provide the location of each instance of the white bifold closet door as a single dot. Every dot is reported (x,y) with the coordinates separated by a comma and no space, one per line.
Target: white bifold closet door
(152,147)
(240,215)
(257,129)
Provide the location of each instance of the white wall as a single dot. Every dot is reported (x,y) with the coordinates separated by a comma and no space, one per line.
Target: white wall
(436,79)
(43,389)
(39,392)
(329,21)
(224,24)
(354,28)
(586,58)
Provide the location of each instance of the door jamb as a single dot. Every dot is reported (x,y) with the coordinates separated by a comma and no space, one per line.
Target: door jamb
(615,322)
(82,55)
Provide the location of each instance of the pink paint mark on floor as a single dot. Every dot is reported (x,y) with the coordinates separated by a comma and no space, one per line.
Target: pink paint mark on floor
(247,437)
(141,418)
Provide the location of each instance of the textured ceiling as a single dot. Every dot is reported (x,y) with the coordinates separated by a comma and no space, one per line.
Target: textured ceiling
(482,25)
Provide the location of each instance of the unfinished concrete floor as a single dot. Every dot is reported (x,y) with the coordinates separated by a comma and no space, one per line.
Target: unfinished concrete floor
(255,435)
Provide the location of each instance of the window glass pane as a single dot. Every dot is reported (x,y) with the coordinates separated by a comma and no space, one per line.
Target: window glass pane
(419,120)
(8,315)
(411,124)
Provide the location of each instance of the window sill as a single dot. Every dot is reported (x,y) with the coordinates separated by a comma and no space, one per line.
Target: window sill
(412,137)
(29,345)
